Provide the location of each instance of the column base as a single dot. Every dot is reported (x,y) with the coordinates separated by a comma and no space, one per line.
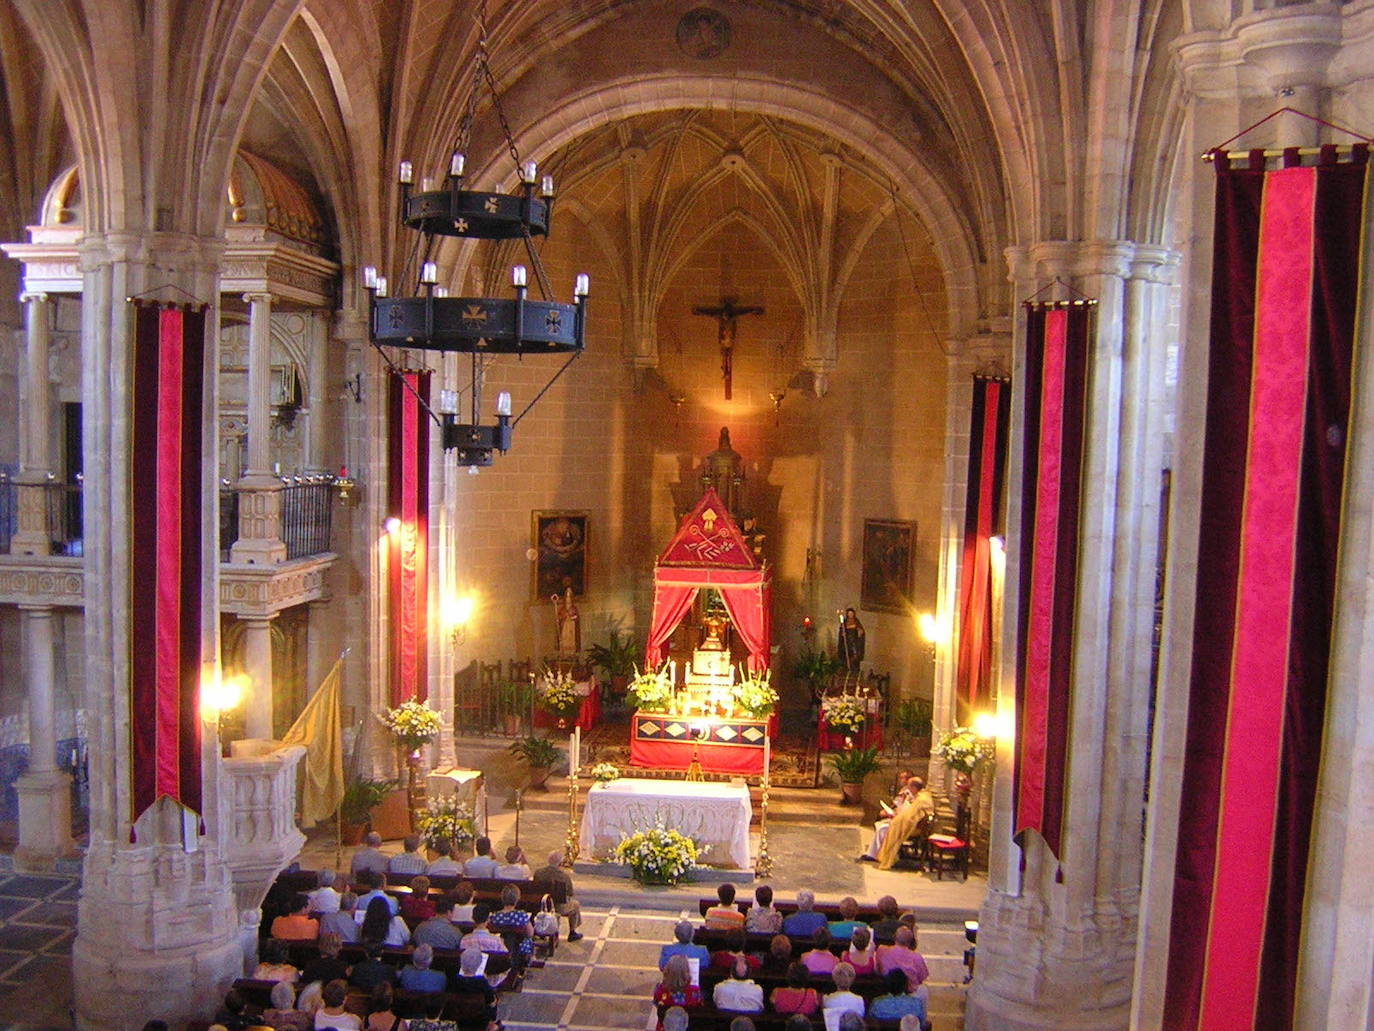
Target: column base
(29,542)
(257,552)
(45,821)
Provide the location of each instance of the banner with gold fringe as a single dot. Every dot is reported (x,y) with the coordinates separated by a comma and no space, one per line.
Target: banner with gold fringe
(408,552)
(165,566)
(1054,441)
(1285,278)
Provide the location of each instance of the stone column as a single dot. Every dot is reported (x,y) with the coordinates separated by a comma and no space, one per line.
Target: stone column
(31,535)
(257,665)
(319,457)
(1058,949)
(259,490)
(157,919)
(45,817)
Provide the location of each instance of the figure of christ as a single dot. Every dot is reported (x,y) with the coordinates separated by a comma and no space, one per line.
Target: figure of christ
(727,315)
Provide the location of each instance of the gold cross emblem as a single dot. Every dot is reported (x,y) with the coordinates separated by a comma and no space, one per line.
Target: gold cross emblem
(553,321)
(461,225)
(490,205)
(474,315)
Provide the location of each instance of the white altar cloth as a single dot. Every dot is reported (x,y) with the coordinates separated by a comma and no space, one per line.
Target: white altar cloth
(713,815)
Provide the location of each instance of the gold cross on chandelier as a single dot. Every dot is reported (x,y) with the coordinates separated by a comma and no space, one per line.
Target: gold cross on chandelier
(727,314)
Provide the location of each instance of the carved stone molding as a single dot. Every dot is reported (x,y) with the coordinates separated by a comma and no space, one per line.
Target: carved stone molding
(263,591)
(57,581)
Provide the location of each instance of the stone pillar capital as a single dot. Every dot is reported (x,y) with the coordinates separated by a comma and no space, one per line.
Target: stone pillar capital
(257,298)
(33,297)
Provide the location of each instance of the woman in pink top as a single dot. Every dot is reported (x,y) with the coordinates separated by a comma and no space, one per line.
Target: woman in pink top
(862,952)
(820,960)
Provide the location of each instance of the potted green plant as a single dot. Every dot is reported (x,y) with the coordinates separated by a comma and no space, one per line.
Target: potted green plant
(852,766)
(616,659)
(912,719)
(815,667)
(513,698)
(361,795)
(540,754)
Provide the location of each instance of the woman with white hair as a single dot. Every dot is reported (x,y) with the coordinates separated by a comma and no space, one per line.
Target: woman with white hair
(803,923)
(282,1014)
(842,998)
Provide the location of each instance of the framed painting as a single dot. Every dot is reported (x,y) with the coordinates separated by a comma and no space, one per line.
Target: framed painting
(560,554)
(889,548)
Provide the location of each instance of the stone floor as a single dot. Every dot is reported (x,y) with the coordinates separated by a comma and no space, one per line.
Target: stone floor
(37,924)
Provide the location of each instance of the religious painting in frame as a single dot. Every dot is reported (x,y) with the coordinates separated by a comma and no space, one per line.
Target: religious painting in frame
(560,553)
(889,548)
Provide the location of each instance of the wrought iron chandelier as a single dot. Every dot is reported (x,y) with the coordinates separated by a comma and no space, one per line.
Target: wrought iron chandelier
(482,327)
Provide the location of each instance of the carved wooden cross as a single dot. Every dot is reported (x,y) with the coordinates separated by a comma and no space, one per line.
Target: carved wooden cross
(726,313)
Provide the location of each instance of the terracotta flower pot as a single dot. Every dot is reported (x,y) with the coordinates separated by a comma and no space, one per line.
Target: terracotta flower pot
(851,793)
(539,776)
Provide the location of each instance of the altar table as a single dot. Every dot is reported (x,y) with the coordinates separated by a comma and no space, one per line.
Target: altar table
(715,816)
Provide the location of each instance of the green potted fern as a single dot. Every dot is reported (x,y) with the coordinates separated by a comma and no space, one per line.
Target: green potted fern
(616,659)
(361,795)
(852,766)
(540,754)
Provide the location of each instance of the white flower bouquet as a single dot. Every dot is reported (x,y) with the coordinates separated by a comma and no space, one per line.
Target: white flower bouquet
(658,855)
(754,693)
(445,818)
(650,690)
(963,750)
(557,693)
(845,713)
(604,772)
(413,723)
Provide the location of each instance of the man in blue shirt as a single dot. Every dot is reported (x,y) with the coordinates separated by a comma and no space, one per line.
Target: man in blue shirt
(376,882)
(418,977)
(898,1002)
(803,923)
(684,947)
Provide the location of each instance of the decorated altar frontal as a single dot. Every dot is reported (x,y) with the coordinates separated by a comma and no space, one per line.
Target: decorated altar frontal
(715,816)
(721,744)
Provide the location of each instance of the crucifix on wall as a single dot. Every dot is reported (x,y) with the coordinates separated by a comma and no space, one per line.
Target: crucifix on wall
(727,314)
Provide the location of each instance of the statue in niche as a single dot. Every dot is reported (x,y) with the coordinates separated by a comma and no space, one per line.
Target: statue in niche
(723,470)
(850,643)
(567,628)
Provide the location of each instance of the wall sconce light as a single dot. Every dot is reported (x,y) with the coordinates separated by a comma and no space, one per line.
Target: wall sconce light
(457,614)
(221,695)
(353,387)
(992,726)
(932,632)
(392,525)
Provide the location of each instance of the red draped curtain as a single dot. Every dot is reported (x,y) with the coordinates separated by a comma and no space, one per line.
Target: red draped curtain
(1058,342)
(987,462)
(1285,278)
(408,552)
(671,602)
(165,564)
(748,608)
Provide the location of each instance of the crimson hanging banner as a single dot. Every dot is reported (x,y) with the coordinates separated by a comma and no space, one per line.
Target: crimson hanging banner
(987,463)
(1285,277)
(165,567)
(1058,340)
(408,550)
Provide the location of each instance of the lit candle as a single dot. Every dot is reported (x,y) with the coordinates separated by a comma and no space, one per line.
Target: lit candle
(517,275)
(546,187)
(581,285)
(407,174)
(370,277)
(531,172)
(429,273)
(455,165)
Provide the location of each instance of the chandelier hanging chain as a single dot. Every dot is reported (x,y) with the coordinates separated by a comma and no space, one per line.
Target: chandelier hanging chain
(406,383)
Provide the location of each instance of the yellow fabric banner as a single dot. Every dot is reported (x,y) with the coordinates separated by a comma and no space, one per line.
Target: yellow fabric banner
(318,729)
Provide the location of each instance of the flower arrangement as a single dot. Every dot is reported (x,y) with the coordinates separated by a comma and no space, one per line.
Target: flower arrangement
(963,750)
(557,692)
(658,855)
(413,723)
(445,818)
(755,693)
(651,690)
(844,712)
(603,772)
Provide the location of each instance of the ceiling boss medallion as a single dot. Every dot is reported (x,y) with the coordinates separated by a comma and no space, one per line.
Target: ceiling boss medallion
(431,320)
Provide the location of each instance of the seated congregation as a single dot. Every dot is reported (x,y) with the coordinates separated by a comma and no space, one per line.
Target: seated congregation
(432,948)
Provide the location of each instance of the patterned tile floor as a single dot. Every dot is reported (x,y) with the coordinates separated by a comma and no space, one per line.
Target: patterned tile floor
(37,925)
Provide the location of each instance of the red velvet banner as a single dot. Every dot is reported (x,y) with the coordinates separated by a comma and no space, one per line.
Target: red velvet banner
(1058,339)
(987,461)
(1286,272)
(165,567)
(408,552)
